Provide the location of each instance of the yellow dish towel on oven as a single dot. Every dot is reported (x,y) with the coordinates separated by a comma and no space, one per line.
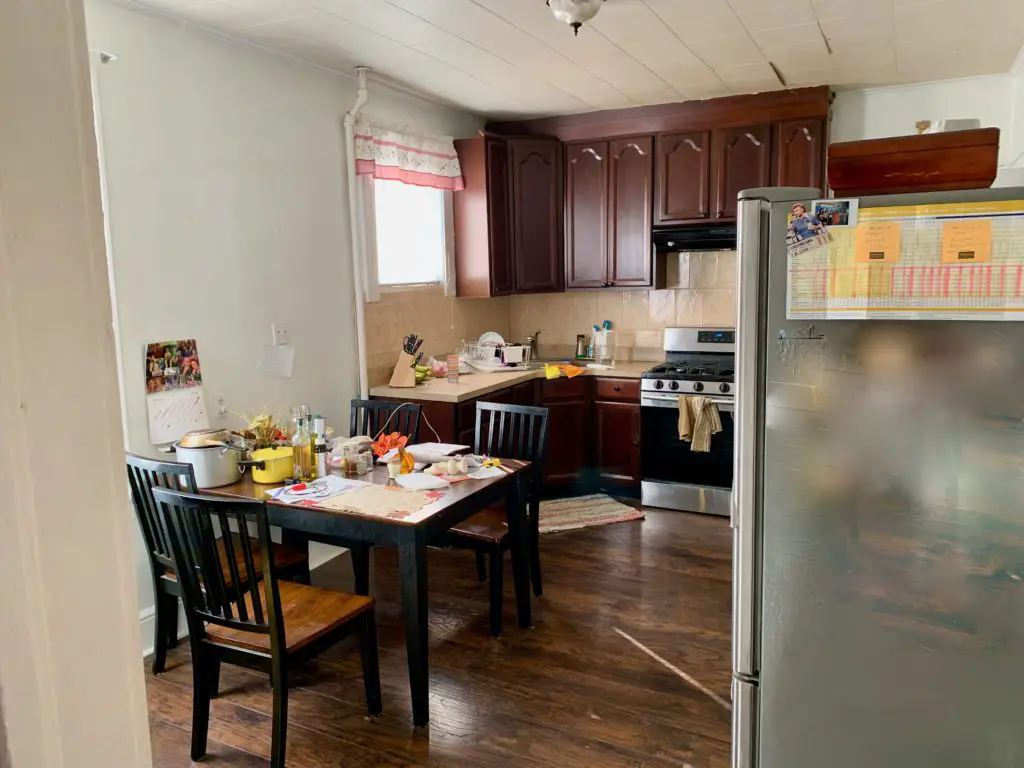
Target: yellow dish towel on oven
(698,421)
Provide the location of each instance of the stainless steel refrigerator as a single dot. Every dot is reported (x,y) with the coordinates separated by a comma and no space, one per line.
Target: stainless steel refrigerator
(878,505)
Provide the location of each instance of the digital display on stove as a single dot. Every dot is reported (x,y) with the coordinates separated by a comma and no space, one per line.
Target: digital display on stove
(716,337)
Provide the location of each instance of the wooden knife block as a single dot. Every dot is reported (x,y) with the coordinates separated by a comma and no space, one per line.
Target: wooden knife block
(404,374)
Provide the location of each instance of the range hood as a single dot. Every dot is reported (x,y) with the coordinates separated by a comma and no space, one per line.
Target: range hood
(718,237)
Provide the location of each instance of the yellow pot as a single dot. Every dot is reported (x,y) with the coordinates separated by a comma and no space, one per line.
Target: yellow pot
(277,465)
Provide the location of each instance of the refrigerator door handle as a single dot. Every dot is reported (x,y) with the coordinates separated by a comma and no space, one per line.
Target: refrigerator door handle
(744,724)
(752,245)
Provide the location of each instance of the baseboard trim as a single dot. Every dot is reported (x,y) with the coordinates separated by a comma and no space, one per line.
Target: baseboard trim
(147,625)
(147,616)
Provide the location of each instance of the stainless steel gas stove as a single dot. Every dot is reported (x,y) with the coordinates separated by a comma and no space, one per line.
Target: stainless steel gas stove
(698,361)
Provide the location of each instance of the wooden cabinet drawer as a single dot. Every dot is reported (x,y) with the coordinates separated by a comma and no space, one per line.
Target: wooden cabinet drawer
(563,389)
(617,389)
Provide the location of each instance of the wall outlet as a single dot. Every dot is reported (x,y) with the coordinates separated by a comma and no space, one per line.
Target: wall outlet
(280,334)
(222,409)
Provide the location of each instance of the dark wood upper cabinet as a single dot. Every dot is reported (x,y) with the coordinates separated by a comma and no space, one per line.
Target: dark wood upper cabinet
(586,214)
(630,172)
(799,153)
(683,177)
(502,277)
(742,160)
(483,239)
(536,215)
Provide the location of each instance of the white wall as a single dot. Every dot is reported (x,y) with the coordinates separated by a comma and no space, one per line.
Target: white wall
(72,686)
(228,211)
(875,113)
(1016,159)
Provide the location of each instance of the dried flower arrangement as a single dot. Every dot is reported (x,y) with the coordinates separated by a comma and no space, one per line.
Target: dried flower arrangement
(263,429)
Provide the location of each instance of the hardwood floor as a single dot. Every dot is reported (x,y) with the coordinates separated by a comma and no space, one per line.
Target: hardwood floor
(569,692)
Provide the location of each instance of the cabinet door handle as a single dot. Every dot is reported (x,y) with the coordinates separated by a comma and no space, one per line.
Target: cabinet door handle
(618,388)
(807,134)
(721,214)
(754,139)
(693,145)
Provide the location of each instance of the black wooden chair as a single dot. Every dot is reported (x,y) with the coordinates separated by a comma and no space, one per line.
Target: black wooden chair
(143,476)
(511,432)
(268,624)
(369,416)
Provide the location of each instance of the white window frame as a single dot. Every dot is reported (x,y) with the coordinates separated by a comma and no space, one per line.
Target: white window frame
(374,288)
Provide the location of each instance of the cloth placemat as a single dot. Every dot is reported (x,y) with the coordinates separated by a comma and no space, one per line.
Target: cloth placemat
(380,501)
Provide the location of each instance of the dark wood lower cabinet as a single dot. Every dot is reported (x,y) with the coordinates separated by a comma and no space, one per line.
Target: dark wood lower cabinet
(593,428)
(617,443)
(568,404)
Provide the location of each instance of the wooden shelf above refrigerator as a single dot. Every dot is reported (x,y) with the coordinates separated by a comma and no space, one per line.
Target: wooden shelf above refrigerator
(930,162)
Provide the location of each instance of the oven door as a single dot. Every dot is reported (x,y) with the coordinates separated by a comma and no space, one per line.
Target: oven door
(676,477)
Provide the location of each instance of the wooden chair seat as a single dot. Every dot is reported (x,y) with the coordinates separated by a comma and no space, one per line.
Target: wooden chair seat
(308,613)
(286,559)
(489,525)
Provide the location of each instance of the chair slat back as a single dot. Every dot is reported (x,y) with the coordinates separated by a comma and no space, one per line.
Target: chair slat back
(512,432)
(369,417)
(214,588)
(143,476)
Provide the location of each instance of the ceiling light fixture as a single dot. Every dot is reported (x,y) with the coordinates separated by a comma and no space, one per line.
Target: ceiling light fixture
(575,12)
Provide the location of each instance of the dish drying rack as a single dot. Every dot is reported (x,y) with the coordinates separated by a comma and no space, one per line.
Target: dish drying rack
(489,358)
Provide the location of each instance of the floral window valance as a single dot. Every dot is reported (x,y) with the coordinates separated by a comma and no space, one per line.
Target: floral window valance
(418,160)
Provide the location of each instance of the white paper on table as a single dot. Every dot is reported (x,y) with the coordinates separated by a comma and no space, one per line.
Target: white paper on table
(329,486)
(277,360)
(420,481)
(174,412)
(486,473)
(427,453)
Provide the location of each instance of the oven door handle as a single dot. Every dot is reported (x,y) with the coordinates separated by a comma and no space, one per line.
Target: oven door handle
(724,404)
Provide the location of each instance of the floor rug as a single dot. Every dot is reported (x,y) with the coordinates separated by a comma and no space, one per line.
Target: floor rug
(584,512)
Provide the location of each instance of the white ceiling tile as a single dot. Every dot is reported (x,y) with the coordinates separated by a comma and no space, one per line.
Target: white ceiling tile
(845,9)
(512,58)
(220,15)
(591,51)
(635,28)
(499,73)
(382,18)
(807,37)
(728,51)
(692,23)
(750,77)
(790,15)
(277,36)
(751,6)
(273,10)
(476,24)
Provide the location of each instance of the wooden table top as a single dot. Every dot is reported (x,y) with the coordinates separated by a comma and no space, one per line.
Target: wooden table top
(446,497)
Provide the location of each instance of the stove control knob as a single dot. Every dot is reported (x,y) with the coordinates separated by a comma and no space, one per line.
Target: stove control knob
(673,385)
(698,387)
(724,388)
(659,384)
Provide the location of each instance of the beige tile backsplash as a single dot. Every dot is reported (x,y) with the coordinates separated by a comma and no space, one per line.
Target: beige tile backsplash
(442,322)
(701,293)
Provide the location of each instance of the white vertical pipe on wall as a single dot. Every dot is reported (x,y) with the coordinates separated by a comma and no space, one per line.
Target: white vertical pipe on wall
(357,257)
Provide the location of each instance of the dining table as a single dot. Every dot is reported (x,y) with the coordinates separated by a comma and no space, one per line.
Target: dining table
(411,533)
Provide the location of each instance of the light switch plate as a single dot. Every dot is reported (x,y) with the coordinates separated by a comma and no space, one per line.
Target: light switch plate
(280,334)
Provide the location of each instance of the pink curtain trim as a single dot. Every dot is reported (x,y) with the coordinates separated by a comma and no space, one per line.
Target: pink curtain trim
(416,178)
(383,143)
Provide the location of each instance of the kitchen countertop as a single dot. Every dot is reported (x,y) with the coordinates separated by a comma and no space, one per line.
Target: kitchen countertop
(474,385)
